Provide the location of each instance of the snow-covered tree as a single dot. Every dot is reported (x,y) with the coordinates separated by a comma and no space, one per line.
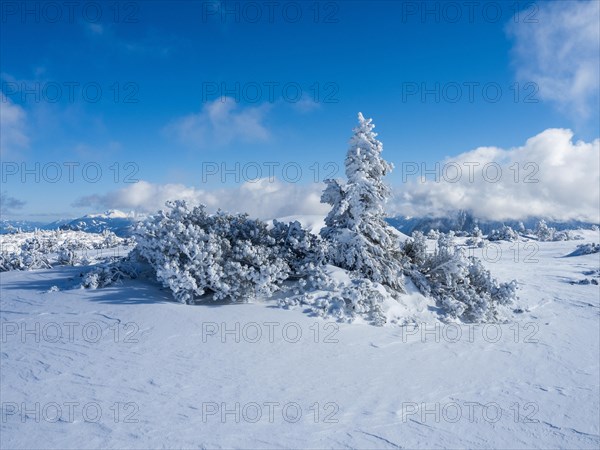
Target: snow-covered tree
(544,232)
(360,240)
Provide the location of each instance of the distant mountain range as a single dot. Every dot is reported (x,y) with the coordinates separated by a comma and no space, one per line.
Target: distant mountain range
(465,221)
(116,221)
(122,223)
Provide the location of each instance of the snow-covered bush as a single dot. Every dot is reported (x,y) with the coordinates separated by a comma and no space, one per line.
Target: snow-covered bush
(543,232)
(564,235)
(110,240)
(585,249)
(43,249)
(343,301)
(433,234)
(111,272)
(476,238)
(461,285)
(68,254)
(303,251)
(505,233)
(30,260)
(67,257)
(359,238)
(220,256)
(415,249)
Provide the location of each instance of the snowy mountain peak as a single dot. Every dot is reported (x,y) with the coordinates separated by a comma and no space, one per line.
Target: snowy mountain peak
(111,214)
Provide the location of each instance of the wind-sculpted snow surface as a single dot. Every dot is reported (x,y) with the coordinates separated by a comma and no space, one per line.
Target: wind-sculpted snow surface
(126,367)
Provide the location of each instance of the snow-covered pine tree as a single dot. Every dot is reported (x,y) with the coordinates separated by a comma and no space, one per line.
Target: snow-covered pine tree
(360,239)
(544,232)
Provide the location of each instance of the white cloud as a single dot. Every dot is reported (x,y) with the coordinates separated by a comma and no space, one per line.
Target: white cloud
(306,105)
(9,204)
(220,123)
(264,198)
(566,186)
(561,53)
(95,28)
(13,123)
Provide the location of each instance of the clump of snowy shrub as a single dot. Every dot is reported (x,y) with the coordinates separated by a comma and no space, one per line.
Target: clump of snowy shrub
(359,238)
(476,238)
(111,272)
(415,249)
(28,260)
(585,249)
(200,256)
(343,301)
(543,232)
(505,233)
(44,249)
(303,251)
(461,285)
(433,234)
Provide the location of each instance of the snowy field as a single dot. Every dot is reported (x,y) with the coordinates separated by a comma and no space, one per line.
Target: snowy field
(127,367)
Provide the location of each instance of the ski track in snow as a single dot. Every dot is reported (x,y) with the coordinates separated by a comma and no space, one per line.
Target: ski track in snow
(154,358)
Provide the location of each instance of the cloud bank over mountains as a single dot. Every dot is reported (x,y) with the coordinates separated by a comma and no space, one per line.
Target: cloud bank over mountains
(550,176)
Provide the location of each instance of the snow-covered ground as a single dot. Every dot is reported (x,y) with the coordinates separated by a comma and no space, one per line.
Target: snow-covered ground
(126,367)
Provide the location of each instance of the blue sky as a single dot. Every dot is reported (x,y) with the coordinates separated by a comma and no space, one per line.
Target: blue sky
(162,65)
